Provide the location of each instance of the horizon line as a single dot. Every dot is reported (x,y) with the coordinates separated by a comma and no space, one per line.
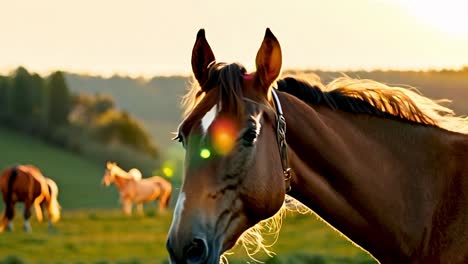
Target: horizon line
(5,71)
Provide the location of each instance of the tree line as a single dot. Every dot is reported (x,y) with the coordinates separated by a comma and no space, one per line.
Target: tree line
(28,98)
(90,125)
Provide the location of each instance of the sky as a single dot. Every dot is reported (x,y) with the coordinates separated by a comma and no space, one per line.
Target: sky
(153,37)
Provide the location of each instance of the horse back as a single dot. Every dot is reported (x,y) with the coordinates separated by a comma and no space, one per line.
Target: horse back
(21,183)
(161,182)
(6,179)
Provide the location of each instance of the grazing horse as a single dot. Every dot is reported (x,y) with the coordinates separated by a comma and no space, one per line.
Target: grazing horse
(134,189)
(385,166)
(25,183)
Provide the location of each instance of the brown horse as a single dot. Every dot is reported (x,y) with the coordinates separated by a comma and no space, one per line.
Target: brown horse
(385,166)
(25,183)
(134,189)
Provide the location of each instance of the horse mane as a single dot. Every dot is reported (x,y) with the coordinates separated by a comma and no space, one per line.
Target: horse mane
(361,96)
(366,96)
(119,172)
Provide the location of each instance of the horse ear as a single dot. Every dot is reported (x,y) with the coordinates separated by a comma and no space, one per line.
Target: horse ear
(268,60)
(202,57)
(109,164)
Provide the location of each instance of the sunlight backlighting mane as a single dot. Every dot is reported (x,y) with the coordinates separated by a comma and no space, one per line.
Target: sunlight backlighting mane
(256,238)
(403,103)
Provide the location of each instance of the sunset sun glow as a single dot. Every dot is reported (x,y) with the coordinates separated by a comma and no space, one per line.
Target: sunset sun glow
(450,16)
(133,39)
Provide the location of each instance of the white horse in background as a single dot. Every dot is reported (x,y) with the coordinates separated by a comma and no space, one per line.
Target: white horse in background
(134,189)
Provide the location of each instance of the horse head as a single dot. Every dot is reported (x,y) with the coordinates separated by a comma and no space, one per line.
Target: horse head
(109,176)
(233,170)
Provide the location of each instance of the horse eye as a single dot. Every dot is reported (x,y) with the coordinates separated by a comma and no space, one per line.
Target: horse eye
(250,135)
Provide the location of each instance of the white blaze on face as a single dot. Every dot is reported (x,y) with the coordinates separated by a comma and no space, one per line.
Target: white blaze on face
(208,119)
(178,212)
(258,120)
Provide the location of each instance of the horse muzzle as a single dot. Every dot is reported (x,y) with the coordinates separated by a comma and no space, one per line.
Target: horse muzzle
(197,250)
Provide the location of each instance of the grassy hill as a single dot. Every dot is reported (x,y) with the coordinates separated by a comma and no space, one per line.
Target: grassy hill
(79,180)
(155,101)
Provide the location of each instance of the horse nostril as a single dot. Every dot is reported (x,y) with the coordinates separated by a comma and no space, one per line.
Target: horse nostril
(197,251)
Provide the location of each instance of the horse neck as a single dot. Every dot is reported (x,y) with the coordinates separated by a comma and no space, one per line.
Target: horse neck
(121,180)
(365,175)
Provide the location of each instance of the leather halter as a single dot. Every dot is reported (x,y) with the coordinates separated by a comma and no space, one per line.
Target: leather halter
(281,138)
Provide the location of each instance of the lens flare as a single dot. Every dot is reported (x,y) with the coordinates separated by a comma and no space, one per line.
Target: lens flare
(168,172)
(224,134)
(205,153)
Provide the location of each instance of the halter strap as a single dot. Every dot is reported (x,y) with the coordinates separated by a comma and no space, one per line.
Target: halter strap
(281,138)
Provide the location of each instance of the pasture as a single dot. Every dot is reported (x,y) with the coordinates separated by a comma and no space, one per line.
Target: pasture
(106,236)
(93,229)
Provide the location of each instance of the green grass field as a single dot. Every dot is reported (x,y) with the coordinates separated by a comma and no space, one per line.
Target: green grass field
(92,229)
(105,236)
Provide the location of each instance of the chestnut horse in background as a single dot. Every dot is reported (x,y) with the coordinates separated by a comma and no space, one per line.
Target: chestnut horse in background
(134,189)
(385,166)
(25,183)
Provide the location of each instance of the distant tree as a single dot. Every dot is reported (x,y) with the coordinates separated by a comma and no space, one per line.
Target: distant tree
(79,108)
(22,95)
(58,100)
(39,97)
(85,109)
(5,90)
(103,103)
(115,127)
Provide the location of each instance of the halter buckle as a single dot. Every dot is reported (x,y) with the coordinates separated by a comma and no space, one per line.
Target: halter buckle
(287,179)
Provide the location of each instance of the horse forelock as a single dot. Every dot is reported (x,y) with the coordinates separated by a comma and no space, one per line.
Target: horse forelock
(223,88)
